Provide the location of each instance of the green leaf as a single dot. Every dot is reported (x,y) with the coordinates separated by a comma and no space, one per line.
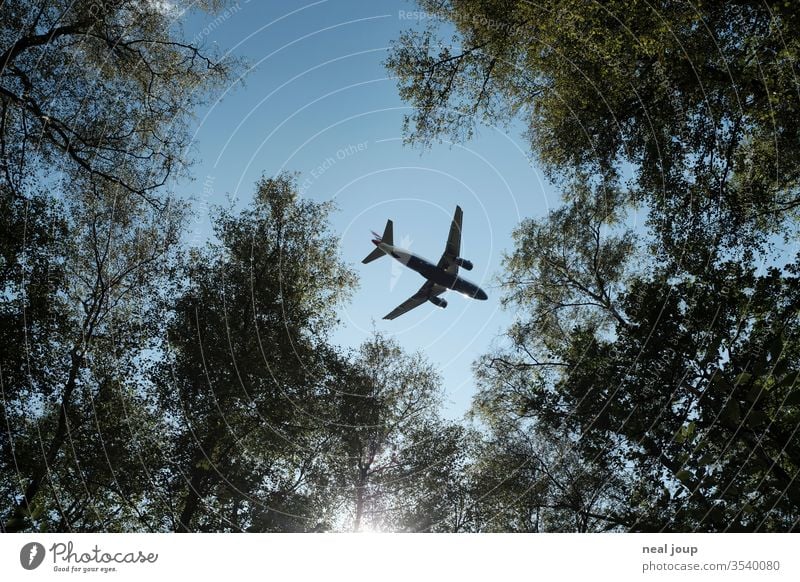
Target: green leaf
(780,367)
(789,379)
(775,347)
(16,524)
(716,515)
(756,419)
(707,459)
(793,399)
(685,433)
(754,392)
(731,414)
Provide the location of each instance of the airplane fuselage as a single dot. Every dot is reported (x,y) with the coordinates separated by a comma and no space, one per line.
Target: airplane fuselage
(432,272)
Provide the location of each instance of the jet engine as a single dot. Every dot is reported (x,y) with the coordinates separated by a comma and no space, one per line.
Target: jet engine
(464,263)
(438,302)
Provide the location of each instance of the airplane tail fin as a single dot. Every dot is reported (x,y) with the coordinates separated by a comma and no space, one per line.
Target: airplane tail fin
(388,233)
(388,238)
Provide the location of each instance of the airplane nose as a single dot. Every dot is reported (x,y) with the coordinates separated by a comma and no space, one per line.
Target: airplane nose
(481,294)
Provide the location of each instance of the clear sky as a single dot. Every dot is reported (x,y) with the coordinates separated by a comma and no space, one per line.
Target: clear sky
(317,100)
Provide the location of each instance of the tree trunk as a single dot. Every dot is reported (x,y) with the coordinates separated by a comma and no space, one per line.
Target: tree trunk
(16,521)
(360,486)
(192,501)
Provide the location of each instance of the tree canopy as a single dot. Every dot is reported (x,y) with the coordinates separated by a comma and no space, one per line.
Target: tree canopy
(648,382)
(695,105)
(656,367)
(98,91)
(94,99)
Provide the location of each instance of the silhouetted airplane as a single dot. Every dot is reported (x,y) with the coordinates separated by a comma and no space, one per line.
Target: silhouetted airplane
(440,277)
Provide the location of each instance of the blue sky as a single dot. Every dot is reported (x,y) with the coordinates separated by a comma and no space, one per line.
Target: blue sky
(316,100)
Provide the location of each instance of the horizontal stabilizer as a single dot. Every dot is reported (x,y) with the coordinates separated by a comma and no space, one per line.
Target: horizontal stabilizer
(375,254)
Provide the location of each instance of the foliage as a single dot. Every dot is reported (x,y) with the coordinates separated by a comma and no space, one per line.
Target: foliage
(94,98)
(655,368)
(98,91)
(684,388)
(699,105)
(246,366)
(648,382)
(396,455)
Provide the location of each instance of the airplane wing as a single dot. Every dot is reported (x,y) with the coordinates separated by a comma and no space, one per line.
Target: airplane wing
(428,290)
(453,248)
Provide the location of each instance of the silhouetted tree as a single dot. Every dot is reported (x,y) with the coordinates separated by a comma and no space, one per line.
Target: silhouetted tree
(94,98)
(699,106)
(246,370)
(660,363)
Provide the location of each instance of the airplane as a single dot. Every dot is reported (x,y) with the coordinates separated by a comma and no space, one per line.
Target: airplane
(440,276)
